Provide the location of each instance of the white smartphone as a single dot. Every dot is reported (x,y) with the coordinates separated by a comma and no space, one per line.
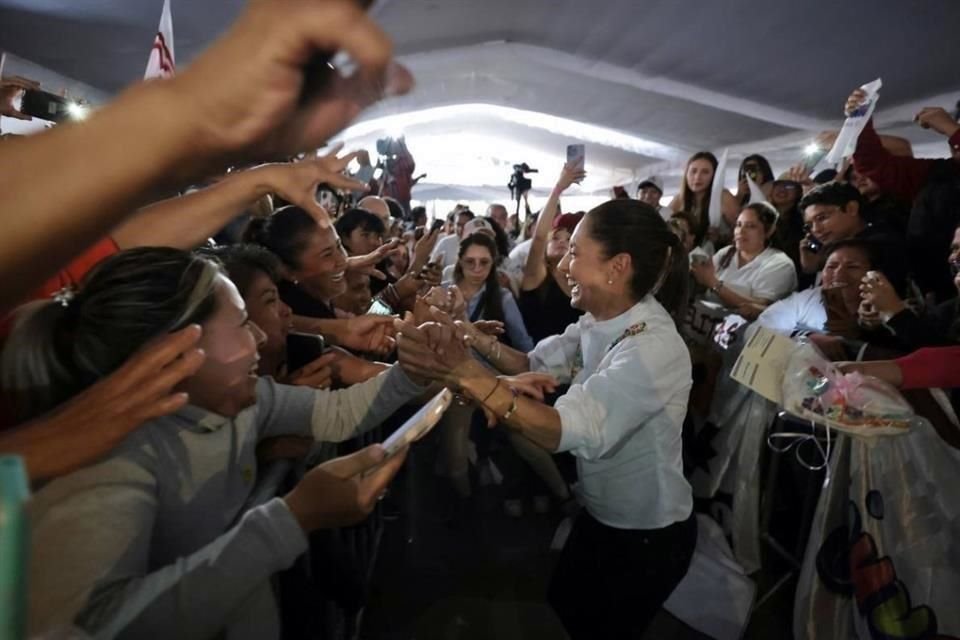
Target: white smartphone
(420,424)
(379,308)
(577,155)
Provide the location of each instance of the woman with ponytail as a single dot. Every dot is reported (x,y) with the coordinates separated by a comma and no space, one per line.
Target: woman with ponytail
(156,539)
(629,375)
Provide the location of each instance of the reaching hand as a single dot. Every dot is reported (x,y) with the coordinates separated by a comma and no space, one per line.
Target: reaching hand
(343,491)
(876,290)
(704,272)
(937,119)
(96,420)
(11,89)
(366,264)
(572,172)
(423,248)
(798,173)
(247,90)
(432,351)
(532,384)
(318,374)
(296,182)
(489,327)
(369,334)
(868,317)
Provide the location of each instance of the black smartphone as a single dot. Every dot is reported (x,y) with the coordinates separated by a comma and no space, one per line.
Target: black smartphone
(44,105)
(437,225)
(302,349)
(814,245)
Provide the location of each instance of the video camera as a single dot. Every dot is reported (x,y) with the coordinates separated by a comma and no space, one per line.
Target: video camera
(519,184)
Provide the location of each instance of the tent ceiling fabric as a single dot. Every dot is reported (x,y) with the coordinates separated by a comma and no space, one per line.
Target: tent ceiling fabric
(682,75)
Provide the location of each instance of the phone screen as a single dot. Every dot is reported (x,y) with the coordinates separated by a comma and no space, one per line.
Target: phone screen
(576,154)
(378,308)
(43,105)
(302,349)
(421,422)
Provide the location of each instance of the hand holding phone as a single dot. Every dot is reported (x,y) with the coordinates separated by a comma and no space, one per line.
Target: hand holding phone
(417,426)
(304,348)
(576,156)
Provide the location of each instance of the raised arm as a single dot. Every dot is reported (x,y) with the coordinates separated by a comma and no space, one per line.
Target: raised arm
(187,221)
(64,189)
(535,271)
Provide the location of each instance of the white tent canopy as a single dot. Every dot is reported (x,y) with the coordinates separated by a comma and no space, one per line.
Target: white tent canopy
(642,83)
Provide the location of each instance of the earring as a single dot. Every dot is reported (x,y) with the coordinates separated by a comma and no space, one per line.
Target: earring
(609,281)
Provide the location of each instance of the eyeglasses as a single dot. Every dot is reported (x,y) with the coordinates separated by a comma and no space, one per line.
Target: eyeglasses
(476,263)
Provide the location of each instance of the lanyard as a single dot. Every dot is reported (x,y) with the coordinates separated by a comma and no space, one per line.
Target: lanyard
(632,330)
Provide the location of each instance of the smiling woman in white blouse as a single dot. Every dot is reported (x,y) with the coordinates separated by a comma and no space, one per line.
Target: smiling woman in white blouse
(749,275)
(629,375)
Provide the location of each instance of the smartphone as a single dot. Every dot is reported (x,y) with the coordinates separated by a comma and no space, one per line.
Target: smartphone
(303,348)
(577,155)
(812,159)
(14,546)
(44,105)
(814,245)
(378,308)
(437,225)
(420,424)
(699,258)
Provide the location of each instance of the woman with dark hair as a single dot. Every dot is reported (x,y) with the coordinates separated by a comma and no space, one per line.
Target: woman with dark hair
(362,232)
(749,274)
(629,375)
(757,168)
(312,254)
(695,193)
(475,274)
(544,293)
(157,539)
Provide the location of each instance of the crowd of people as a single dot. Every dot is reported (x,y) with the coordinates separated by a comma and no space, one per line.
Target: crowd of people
(183,315)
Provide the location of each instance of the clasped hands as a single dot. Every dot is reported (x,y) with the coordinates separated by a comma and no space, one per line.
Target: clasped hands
(433,345)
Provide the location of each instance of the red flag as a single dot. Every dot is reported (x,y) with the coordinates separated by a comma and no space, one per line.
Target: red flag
(161,62)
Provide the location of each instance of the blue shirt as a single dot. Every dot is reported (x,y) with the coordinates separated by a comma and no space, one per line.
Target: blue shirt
(512,320)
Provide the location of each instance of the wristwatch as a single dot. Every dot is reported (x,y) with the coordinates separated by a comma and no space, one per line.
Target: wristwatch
(716,288)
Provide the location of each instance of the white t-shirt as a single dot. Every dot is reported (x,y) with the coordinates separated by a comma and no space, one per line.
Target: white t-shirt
(520,253)
(446,250)
(623,414)
(770,276)
(803,311)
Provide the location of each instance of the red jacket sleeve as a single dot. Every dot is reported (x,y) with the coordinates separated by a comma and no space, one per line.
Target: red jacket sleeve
(899,176)
(931,368)
(69,276)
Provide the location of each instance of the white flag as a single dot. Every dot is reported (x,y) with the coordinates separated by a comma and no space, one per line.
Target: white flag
(715,212)
(161,61)
(756,193)
(846,142)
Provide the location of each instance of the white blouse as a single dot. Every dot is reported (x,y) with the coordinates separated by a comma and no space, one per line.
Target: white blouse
(623,414)
(770,276)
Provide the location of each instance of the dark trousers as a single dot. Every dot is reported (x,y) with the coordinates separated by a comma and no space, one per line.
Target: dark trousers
(610,583)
